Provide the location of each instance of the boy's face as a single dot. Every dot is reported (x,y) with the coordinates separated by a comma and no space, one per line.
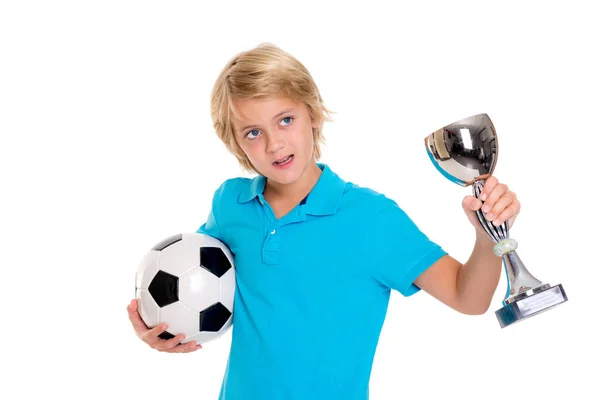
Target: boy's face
(271,130)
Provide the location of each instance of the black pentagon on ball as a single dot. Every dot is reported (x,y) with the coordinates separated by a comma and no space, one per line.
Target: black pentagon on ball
(163,244)
(164,288)
(214,260)
(166,335)
(214,317)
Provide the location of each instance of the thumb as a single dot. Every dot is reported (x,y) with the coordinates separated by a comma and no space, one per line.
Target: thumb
(471,203)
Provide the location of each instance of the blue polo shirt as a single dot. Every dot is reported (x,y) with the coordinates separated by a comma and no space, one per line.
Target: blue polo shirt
(313,286)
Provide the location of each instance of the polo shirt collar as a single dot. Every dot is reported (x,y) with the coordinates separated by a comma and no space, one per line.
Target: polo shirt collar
(323,199)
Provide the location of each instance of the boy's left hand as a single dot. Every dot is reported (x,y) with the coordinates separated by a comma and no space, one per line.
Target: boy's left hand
(497,203)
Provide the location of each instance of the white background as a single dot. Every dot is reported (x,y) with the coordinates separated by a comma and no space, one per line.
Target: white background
(107,147)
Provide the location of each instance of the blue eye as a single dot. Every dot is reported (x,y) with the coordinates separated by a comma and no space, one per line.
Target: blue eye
(289,119)
(253,130)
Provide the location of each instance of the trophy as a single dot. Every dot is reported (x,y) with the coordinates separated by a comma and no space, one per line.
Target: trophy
(465,152)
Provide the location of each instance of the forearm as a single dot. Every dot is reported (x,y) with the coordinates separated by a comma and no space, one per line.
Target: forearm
(478,278)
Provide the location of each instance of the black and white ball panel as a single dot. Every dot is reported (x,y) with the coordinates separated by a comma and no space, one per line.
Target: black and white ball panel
(188,282)
(147,307)
(167,242)
(147,269)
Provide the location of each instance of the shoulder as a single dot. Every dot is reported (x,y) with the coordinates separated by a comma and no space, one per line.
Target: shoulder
(366,199)
(232,192)
(231,188)
(376,213)
(226,206)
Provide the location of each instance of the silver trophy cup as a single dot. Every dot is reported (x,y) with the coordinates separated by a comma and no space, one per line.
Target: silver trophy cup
(465,152)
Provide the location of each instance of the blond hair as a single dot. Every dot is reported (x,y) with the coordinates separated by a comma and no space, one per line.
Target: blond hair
(263,72)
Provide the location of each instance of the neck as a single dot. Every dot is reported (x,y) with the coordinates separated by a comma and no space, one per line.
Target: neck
(296,190)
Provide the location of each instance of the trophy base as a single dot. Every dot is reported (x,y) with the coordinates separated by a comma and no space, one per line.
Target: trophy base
(530,305)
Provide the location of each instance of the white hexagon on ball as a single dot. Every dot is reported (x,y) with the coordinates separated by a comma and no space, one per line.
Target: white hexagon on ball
(188,282)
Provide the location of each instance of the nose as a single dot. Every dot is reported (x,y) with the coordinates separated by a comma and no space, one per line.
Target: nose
(275,142)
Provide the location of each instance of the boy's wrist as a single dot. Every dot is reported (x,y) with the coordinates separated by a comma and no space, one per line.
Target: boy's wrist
(482,239)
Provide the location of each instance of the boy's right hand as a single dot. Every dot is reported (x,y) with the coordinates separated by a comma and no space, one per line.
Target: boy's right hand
(150,336)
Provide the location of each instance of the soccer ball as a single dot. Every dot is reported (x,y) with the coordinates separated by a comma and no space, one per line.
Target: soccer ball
(188,282)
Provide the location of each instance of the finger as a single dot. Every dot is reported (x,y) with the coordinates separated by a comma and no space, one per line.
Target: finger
(167,344)
(135,318)
(488,186)
(511,211)
(500,205)
(185,348)
(471,203)
(492,198)
(150,336)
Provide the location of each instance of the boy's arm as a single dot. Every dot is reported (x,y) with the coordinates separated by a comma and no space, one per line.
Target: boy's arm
(467,288)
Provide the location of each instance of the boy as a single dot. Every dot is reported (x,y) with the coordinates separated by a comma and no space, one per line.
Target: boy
(268,111)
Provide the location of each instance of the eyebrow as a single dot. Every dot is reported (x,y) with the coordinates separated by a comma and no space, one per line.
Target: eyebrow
(275,117)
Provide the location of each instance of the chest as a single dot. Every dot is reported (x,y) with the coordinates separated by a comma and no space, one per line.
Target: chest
(299,264)
(298,254)
(282,209)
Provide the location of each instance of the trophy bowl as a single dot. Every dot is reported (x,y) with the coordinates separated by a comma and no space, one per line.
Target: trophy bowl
(465,152)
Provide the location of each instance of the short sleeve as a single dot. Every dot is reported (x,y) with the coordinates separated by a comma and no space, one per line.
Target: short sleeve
(397,252)
(211,226)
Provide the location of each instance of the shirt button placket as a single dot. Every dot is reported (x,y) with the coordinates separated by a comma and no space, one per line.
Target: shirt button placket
(271,247)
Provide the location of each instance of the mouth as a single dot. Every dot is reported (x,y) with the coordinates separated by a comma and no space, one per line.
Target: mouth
(284,160)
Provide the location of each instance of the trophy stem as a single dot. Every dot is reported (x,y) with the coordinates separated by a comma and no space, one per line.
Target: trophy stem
(519,279)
